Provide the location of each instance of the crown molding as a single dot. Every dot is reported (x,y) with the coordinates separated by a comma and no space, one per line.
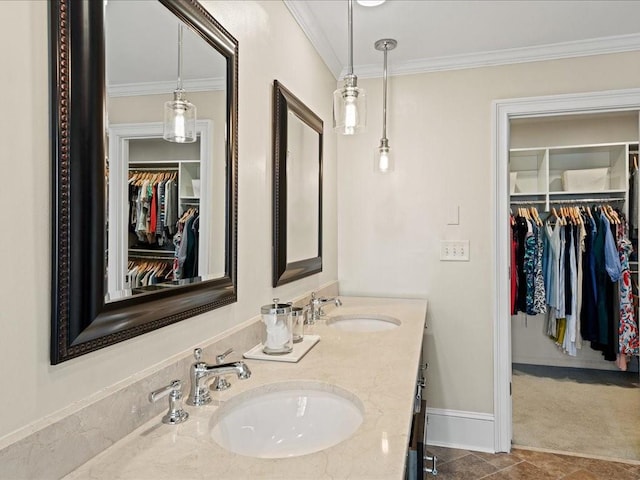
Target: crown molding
(159,88)
(306,20)
(580,48)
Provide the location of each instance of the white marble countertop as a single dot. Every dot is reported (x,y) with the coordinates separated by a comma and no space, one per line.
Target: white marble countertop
(379,368)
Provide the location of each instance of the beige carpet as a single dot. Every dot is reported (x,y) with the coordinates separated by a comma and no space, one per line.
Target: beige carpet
(562,414)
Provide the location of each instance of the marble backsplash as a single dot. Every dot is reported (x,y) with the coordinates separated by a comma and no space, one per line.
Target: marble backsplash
(65,444)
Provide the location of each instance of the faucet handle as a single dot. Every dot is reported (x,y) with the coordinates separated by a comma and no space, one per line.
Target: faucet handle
(220,383)
(197,354)
(222,356)
(175,414)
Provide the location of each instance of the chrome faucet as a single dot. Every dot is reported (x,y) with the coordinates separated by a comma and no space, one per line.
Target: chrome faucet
(200,373)
(316,304)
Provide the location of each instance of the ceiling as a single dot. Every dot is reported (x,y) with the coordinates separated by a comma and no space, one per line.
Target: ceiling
(446,35)
(142,52)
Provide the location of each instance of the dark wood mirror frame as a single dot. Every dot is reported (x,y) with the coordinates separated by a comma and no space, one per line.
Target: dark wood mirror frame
(284,271)
(81,321)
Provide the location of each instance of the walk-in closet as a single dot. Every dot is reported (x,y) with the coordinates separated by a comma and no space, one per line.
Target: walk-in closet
(574,196)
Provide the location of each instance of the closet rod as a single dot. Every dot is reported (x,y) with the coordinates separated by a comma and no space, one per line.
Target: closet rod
(150,257)
(153,169)
(568,202)
(147,253)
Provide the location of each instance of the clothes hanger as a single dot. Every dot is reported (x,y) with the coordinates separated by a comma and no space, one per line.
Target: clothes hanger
(536,215)
(578,214)
(615,215)
(605,212)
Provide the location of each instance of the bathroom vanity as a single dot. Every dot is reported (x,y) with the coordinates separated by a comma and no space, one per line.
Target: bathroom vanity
(374,368)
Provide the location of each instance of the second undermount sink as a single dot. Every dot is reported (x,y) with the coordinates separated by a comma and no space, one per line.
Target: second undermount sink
(286,419)
(363,322)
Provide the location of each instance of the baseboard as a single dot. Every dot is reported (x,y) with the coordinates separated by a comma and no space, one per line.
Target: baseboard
(460,429)
(571,362)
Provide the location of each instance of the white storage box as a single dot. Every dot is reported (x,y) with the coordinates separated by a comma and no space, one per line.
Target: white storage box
(591,180)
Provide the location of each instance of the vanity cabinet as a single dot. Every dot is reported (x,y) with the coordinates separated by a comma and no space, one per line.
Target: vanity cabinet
(542,175)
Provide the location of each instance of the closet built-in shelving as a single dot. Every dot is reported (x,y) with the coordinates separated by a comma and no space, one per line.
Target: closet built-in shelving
(539,175)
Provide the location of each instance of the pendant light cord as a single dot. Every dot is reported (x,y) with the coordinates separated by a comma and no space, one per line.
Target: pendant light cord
(180,57)
(350,8)
(384,45)
(384,95)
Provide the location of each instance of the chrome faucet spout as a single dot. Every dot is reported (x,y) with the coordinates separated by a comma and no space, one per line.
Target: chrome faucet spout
(239,368)
(200,373)
(316,304)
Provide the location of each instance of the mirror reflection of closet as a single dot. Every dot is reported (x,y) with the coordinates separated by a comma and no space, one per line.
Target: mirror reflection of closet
(142,249)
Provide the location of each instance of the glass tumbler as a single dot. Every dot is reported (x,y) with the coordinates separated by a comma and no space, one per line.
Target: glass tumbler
(298,315)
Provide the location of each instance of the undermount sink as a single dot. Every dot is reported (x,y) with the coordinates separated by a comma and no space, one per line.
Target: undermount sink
(363,322)
(286,419)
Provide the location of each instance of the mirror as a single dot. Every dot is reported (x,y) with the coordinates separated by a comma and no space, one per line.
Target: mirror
(297,188)
(144,229)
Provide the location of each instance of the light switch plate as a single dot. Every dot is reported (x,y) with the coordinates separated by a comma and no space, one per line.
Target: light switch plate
(454,250)
(453,215)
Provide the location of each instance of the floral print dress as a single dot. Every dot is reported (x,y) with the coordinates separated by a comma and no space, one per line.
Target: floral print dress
(628,339)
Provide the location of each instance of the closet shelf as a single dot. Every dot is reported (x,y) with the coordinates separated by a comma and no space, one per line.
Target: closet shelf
(621,194)
(538,174)
(529,194)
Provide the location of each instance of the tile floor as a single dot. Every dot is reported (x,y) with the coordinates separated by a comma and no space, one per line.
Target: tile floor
(526,465)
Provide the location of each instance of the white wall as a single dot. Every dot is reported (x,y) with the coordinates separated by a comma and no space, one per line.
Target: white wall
(271,46)
(440,127)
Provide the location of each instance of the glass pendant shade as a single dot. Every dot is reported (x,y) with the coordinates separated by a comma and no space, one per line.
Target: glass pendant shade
(349,109)
(349,102)
(179,113)
(179,119)
(383,158)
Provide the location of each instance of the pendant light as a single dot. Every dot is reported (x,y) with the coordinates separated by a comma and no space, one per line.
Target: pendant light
(349,102)
(383,161)
(179,113)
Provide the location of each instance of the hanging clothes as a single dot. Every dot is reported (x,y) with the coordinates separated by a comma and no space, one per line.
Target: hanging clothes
(539,295)
(153,201)
(143,272)
(577,272)
(186,241)
(628,340)
(528,292)
(514,263)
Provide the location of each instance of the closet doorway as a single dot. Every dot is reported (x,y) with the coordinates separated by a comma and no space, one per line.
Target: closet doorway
(570,390)
(540,373)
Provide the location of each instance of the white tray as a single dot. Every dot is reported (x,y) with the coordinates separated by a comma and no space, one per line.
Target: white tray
(299,350)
